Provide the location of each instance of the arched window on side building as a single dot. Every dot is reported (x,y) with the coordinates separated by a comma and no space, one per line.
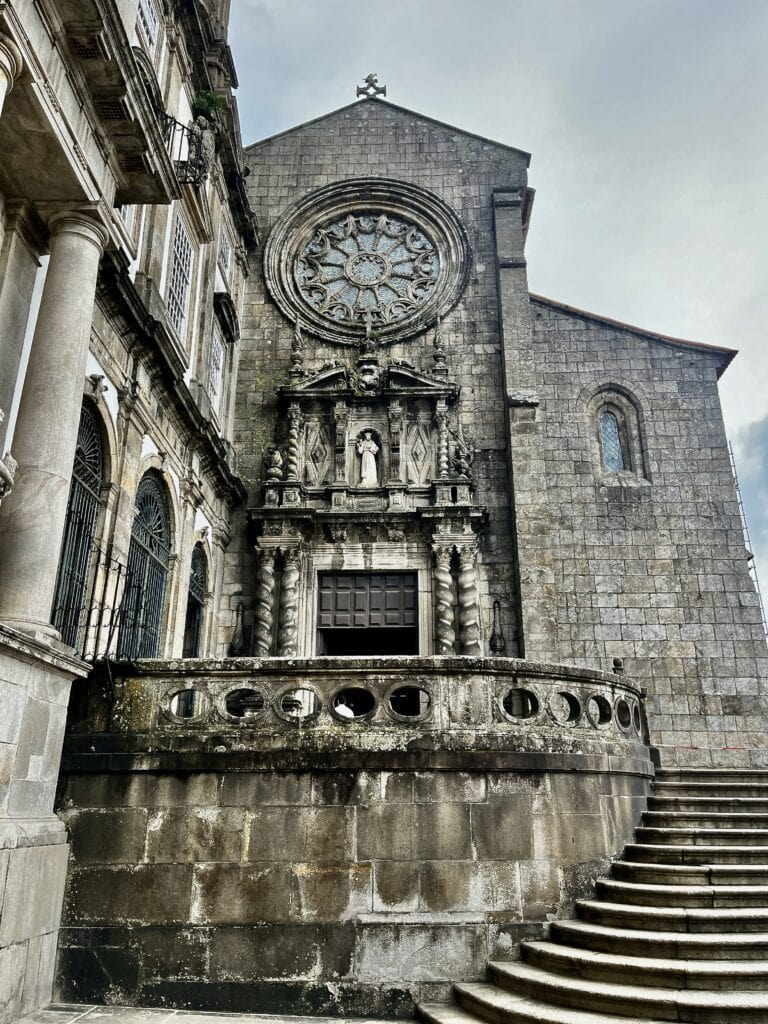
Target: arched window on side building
(76,559)
(198,585)
(147,572)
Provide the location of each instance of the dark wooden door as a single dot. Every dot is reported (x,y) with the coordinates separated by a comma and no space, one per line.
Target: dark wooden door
(372,600)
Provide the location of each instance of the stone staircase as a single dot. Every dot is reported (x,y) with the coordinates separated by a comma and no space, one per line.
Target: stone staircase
(679,932)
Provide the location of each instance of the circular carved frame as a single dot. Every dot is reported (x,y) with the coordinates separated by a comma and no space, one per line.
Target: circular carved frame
(359,197)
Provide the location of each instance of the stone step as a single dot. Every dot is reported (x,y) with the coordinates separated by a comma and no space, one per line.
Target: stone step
(666,945)
(518,1010)
(655,895)
(705,820)
(704,837)
(716,790)
(690,874)
(611,997)
(709,805)
(662,853)
(709,774)
(674,919)
(750,975)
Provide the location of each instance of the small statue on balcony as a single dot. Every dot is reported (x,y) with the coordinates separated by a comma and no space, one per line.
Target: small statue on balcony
(202,146)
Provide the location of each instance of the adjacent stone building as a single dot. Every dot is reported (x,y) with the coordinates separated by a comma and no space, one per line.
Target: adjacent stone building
(376,575)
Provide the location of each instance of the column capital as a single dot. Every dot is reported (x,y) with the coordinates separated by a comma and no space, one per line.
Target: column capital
(81,223)
(11,61)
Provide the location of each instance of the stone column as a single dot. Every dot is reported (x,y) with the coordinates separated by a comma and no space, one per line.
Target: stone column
(32,516)
(287,634)
(441,419)
(10,67)
(445,635)
(265,599)
(469,619)
(294,430)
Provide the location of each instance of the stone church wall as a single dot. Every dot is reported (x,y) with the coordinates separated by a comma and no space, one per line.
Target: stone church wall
(651,565)
(378,140)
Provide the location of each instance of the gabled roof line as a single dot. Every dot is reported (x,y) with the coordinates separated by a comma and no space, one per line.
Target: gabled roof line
(667,339)
(403,110)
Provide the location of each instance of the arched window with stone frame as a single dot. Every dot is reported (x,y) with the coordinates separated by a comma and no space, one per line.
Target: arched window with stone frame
(616,427)
(196,598)
(143,604)
(78,546)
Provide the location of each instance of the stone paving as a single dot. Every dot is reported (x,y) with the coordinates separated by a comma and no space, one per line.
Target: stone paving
(68,1013)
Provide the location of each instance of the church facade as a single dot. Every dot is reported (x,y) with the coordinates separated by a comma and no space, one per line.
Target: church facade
(381,584)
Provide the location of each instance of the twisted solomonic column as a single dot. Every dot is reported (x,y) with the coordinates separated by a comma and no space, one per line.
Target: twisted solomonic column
(265,599)
(292,452)
(445,635)
(441,418)
(287,635)
(469,619)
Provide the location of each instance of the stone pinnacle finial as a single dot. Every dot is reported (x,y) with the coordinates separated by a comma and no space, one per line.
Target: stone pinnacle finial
(297,355)
(438,355)
(371,89)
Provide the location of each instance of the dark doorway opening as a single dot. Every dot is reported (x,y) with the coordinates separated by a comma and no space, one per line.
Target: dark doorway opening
(359,643)
(365,614)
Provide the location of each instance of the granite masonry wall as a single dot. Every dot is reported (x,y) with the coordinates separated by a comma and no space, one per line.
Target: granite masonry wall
(650,565)
(379,140)
(337,866)
(34,689)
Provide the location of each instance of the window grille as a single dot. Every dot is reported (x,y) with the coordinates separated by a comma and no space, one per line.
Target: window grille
(181,269)
(148,20)
(146,573)
(215,369)
(79,530)
(610,442)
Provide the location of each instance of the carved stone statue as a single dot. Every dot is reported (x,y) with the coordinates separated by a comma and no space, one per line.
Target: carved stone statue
(274,465)
(202,146)
(367,449)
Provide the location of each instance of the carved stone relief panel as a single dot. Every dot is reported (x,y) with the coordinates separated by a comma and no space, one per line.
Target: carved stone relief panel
(318,457)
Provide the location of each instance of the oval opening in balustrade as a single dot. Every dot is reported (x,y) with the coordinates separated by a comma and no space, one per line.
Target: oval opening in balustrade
(244,703)
(637,719)
(599,710)
(564,707)
(519,703)
(409,702)
(353,702)
(299,704)
(187,704)
(623,714)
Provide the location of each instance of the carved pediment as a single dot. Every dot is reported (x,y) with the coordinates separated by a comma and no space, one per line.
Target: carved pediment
(403,377)
(397,377)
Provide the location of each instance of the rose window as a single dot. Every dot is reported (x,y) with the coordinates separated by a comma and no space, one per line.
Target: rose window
(365,269)
(366,253)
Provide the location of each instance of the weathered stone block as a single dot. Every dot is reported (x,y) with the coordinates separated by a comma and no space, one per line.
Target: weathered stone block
(292,951)
(241,894)
(136,893)
(108,835)
(331,893)
(395,885)
(404,952)
(33,892)
(502,830)
(196,834)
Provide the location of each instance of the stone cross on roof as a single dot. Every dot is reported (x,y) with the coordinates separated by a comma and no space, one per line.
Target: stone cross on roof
(371,88)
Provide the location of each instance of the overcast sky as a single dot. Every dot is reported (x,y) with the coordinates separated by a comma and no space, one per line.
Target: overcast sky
(648,126)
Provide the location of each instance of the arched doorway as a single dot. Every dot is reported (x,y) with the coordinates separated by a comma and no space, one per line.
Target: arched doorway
(79,530)
(198,584)
(147,572)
